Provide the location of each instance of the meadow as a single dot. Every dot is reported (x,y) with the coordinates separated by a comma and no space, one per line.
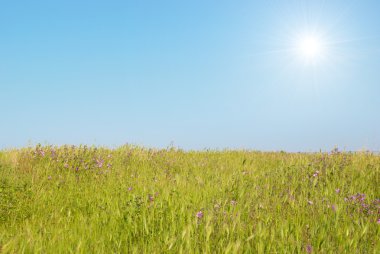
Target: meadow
(136,200)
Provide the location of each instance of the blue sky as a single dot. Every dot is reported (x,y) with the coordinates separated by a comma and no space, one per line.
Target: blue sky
(196,74)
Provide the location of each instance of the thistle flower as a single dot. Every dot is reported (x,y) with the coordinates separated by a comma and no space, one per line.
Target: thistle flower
(309,248)
(53,153)
(199,215)
(99,163)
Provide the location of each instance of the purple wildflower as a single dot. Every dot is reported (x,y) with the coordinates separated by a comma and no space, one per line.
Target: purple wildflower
(130,188)
(309,248)
(151,198)
(378,221)
(99,163)
(357,198)
(199,215)
(53,153)
(333,207)
(337,191)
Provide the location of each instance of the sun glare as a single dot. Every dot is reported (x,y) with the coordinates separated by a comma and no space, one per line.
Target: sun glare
(310,48)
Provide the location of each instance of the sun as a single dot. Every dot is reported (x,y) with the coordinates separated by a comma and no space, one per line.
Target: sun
(310,48)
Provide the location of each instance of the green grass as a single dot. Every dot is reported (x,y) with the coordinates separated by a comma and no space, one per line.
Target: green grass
(135,200)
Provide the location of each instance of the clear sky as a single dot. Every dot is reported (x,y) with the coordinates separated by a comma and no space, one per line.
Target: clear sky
(196,74)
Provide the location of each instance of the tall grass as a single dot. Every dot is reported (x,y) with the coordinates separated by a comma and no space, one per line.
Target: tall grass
(135,200)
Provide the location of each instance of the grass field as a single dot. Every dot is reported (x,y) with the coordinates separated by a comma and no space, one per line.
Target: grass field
(135,200)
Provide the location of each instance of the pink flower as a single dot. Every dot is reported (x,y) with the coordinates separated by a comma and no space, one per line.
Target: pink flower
(99,162)
(378,221)
(337,190)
